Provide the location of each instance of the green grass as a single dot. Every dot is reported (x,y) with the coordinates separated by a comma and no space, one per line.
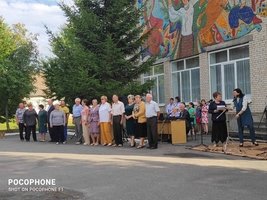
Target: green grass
(14,127)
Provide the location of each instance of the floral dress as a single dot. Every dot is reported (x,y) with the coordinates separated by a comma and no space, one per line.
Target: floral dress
(204,114)
(94,120)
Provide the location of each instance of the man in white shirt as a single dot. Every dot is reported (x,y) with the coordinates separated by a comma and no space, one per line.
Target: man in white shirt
(117,112)
(152,114)
(19,118)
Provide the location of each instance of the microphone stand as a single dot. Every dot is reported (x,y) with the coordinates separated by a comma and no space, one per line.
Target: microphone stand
(264,113)
(162,126)
(221,114)
(201,135)
(229,138)
(201,142)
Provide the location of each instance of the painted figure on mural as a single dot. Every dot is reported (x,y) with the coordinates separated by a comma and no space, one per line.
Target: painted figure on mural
(153,17)
(185,14)
(182,28)
(241,12)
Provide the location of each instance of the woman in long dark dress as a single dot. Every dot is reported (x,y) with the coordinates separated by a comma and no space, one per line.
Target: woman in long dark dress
(130,121)
(219,128)
(42,122)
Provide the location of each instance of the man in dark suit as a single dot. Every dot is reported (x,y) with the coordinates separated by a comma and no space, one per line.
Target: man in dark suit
(184,114)
(49,110)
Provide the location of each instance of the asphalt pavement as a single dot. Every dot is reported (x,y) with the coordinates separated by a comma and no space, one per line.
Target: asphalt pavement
(108,173)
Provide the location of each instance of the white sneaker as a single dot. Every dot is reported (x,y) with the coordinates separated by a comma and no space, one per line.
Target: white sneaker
(85,144)
(57,143)
(77,143)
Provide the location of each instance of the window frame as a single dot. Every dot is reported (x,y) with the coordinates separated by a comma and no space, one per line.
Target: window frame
(222,64)
(156,77)
(179,72)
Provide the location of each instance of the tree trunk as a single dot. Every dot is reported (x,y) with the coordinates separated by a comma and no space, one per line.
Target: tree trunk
(7,117)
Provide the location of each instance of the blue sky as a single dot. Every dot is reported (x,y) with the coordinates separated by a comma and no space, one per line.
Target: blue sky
(34,14)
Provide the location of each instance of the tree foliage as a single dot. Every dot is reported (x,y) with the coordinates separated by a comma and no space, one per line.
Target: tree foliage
(18,64)
(98,52)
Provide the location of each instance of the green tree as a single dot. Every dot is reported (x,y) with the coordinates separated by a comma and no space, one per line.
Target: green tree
(98,52)
(18,65)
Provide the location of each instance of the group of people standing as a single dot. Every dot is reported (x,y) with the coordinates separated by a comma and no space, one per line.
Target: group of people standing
(95,124)
(196,116)
(54,119)
(103,123)
(217,108)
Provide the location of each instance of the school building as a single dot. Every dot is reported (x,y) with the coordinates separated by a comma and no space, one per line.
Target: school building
(207,46)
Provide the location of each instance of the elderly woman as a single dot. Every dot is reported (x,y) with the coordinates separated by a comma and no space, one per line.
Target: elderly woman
(217,108)
(42,122)
(130,121)
(57,123)
(139,113)
(94,122)
(30,119)
(105,121)
(85,117)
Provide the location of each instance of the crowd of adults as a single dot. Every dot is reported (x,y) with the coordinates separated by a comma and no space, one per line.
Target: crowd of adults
(94,123)
(103,123)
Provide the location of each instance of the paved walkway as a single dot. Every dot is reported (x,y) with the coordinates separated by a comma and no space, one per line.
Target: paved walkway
(108,173)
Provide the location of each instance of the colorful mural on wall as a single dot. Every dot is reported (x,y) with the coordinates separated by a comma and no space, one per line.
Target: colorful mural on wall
(182,28)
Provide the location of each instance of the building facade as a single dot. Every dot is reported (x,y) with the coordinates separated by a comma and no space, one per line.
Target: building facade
(206,46)
(38,96)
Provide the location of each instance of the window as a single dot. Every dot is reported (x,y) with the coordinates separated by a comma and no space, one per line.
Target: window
(157,74)
(230,69)
(186,79)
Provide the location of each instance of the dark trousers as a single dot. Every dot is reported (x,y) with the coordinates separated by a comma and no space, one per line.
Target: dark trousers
(117,129)
(59,133)
(241,131)
(51,133)
(21,130)
(29,130)
(152,131)
(65,133)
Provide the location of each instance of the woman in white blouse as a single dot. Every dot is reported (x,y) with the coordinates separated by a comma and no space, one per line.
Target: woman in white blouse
(105,122)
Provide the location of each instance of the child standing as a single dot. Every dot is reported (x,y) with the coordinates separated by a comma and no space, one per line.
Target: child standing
(204,116)
(192,113)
